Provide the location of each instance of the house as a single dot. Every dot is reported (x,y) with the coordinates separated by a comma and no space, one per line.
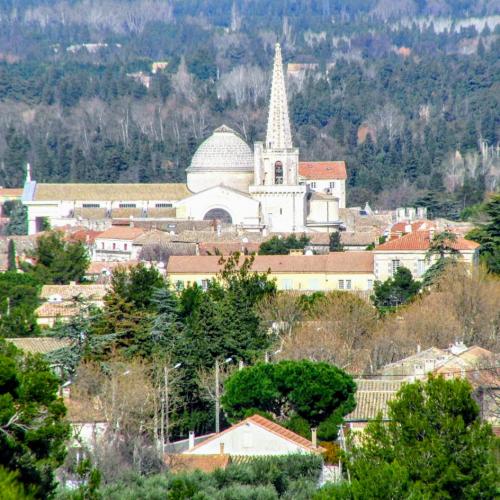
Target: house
(101,271)
(256,436)
(332,271)
(358,240)
(39,345)
(476,364)
(372,396)
(411,250)
(62,302)
(9,194)
(325,177)
(116,244)
(74,293)
(416,366)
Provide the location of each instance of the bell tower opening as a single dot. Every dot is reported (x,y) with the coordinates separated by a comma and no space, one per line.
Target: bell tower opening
(278,173)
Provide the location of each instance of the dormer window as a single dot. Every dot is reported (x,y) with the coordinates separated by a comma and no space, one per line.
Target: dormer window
(54,298)
(278,173)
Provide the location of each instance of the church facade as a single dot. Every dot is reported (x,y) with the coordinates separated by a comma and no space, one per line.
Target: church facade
(266,188)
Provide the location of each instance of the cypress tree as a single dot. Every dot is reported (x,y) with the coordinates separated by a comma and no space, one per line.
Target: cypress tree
(11,256)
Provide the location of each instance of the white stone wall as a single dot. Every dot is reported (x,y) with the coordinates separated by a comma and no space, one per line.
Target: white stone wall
(114,250)
(242,209)
(249,440)
(325,186)
(415,261)
(199,181)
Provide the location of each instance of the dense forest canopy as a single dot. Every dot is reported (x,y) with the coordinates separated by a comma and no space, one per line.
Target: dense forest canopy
(406,92)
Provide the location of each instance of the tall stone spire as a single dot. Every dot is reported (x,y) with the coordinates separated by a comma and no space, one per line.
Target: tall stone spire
(278,125)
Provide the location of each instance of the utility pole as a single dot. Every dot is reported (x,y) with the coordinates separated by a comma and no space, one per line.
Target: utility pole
(217,397)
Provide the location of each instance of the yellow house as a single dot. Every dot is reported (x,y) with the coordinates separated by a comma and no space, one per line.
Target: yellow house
(333,271)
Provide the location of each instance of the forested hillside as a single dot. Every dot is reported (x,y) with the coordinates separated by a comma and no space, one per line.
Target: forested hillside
(407,92)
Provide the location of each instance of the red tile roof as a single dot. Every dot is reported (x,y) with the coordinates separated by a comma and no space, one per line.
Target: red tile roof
(85,235)
(420,240)
(121,233)
(271,427)
(402,227)
(11,192)
(323,170)
(98,267)
(204,463)
(355,262)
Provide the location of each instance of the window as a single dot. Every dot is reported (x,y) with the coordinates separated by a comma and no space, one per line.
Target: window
(114,246)
(395,264)
(102,245)
(204,284)
(125,246)
(127,205)
(420,267)
(91,205)
(278,173)
(312,185)
(281,211)
(332,185)
(341,284)
(286,284)
(163,205)
(370,284)
(348,284)
(179,285)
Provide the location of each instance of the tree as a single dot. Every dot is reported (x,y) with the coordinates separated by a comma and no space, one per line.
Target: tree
(434,446)
(395,291)
(336,243)
(33,430)
(281,246)
(18,219)
(488,235)
(442,245)
(18,301)
(299,394)
(11,488)
(11,256)
(58,261)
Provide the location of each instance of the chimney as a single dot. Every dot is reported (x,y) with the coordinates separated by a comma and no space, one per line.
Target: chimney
(314,437)
(191,440)
(407,228)
(431,233)
(221,448)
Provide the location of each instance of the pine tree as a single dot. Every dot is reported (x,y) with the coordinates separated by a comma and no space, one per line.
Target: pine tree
(11,251)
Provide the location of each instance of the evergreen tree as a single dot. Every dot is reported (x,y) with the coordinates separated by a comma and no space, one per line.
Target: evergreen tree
(335,242)
(34,433)
(395,291)
(434,446)
(11,256)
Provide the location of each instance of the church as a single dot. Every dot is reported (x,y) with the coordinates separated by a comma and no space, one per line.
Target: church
(264,189)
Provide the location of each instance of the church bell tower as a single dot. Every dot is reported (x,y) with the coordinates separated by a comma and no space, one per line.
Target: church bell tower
(276,184)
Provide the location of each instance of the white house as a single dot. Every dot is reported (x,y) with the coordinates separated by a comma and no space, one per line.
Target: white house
(254,436)
(325,177)
(116,244)
(410,251)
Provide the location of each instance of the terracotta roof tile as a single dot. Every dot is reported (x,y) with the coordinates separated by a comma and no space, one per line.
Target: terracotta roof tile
(420,240)
(110,192)
(11,192)
(58,310)
(98,267)
(39,345)
(322,170)
(271,427)
(70,292)
(356,262)
(372,397)
(204,463)
(121,233)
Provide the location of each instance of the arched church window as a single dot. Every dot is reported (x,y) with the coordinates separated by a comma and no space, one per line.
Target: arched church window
(278,173)
(219,214)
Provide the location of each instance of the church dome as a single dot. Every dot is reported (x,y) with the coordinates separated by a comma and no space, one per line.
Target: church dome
(223,150)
